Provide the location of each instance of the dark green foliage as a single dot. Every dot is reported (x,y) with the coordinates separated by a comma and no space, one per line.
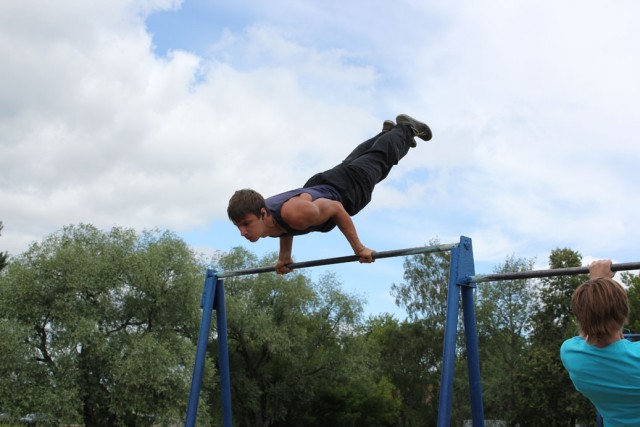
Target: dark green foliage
(411,357)
(632,282)
(100,327)
(553,321)
(546,394)
(419,342)
(504,310)
(4,260)
(424,293)
(4,256)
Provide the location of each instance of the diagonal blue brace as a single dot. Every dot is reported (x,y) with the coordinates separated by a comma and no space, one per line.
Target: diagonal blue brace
(223,355)
(465,268)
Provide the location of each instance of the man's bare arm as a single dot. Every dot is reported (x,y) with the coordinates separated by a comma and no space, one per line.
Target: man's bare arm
(284,258)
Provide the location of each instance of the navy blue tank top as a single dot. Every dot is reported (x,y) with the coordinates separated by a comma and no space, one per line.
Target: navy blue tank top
(274,205)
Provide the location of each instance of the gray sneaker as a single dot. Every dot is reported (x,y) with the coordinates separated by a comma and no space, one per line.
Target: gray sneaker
(387,125)
(421,130)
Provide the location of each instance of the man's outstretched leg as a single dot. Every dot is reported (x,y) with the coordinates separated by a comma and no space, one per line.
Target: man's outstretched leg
(387,150)
(419,129)
(387,125)
(371,162)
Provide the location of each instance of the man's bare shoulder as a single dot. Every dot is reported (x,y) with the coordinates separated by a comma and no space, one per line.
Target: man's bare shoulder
(296,204)
(303,211)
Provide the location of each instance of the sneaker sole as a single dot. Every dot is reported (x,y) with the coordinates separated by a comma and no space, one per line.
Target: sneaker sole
(421,130)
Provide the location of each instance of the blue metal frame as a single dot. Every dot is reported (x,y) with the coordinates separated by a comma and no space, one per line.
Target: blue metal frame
(462,283)
(460,270)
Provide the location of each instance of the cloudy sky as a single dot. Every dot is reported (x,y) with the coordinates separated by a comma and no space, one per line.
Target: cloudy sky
(150,113)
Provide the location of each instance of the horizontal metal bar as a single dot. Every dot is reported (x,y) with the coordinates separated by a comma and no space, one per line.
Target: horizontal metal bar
(340,260)
(570,271)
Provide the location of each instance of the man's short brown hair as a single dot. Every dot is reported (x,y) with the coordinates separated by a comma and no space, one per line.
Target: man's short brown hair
(601,307)
(244,202)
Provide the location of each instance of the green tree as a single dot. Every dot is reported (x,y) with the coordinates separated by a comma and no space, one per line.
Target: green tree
(503,316)
(4,256)
(547,396)
(553,321)
(424,296)
(424,293)
(410,357)
(297,354)
(101,327)
(632,282)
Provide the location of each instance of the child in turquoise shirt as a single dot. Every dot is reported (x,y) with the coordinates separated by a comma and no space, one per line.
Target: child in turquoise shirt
(604,366)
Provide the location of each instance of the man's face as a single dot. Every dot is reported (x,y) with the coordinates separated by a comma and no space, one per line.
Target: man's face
(251,227)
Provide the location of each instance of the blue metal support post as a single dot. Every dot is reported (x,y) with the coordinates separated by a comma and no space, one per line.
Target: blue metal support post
(466,269)
(223,355)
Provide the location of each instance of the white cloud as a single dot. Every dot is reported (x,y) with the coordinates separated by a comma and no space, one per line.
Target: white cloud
(97,129)
(533,108)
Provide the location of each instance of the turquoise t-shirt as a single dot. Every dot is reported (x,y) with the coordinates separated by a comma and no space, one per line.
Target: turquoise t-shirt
(609,377)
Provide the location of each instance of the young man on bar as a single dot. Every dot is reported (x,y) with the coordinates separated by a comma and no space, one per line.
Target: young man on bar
(328,199)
